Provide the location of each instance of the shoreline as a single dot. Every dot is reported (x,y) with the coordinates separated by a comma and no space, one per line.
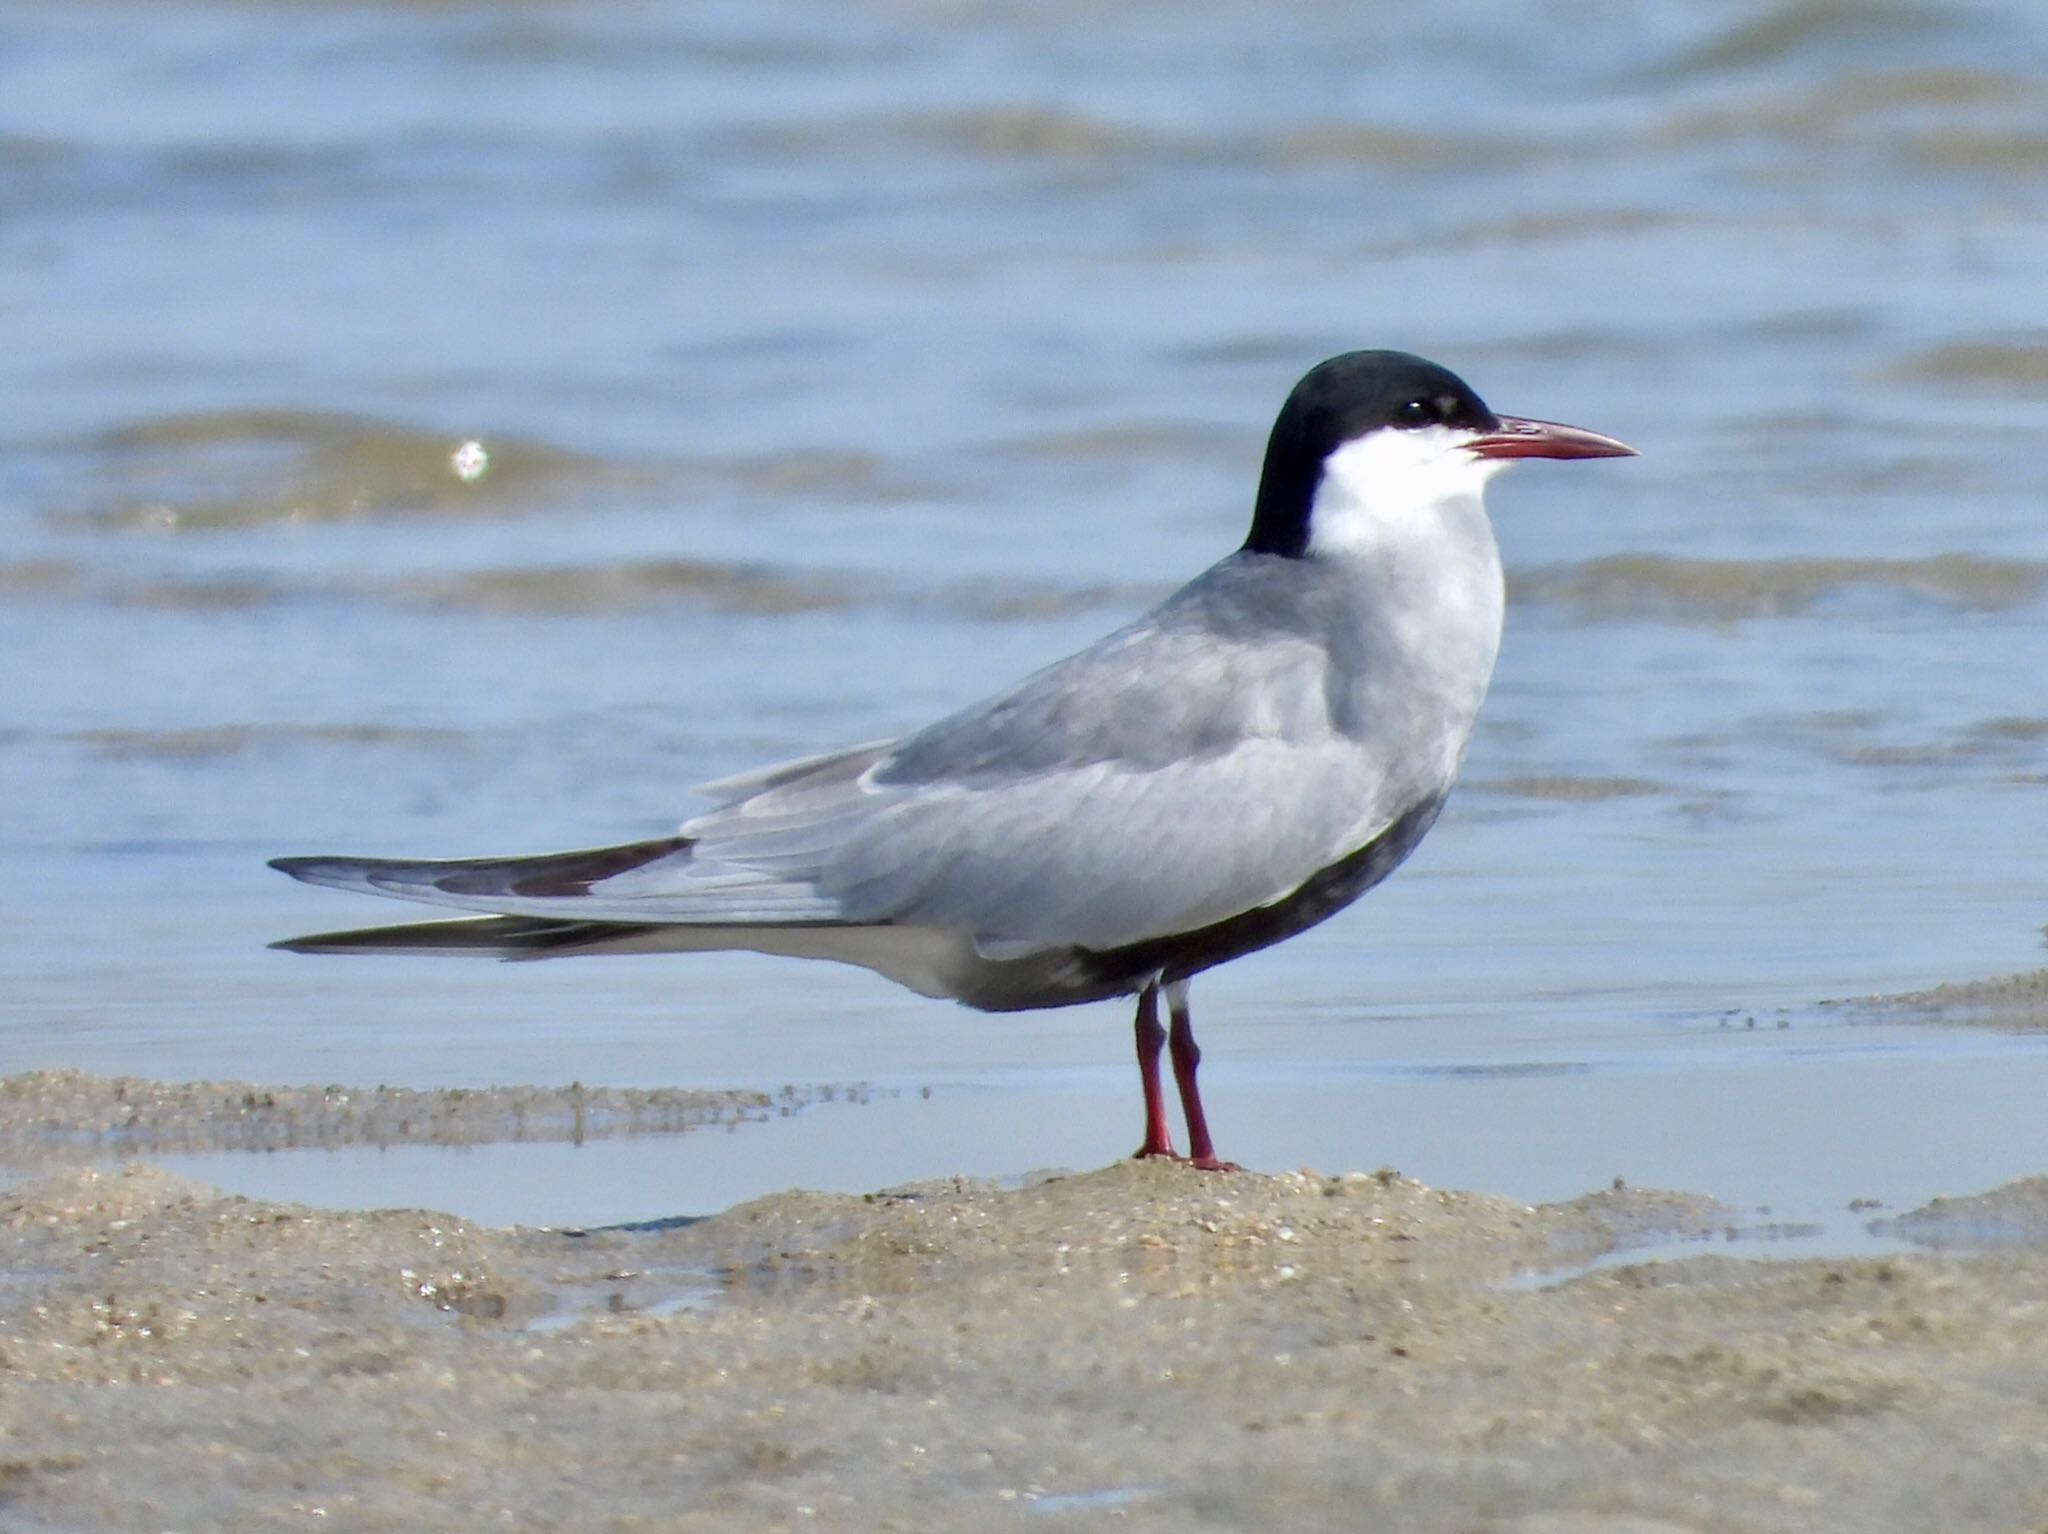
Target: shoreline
(55,1117)
(1141,1343)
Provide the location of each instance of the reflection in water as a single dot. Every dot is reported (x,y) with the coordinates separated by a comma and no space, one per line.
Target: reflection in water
(227,469)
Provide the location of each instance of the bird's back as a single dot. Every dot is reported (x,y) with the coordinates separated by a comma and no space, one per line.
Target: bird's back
(1204,760)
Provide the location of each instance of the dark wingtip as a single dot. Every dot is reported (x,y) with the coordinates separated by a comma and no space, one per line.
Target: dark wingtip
(504,937)
(316,870)
(359,940)
(311,942)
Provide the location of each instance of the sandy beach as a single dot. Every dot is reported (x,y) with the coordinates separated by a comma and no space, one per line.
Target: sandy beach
(454,430)
(1143,1346)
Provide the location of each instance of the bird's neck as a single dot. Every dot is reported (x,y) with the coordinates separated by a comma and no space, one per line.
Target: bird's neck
(1425,601)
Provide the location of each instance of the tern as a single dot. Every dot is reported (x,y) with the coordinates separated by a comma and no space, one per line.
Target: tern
(1231,768)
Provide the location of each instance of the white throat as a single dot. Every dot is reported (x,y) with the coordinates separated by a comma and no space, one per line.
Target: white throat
(1402,512)
(1392,489)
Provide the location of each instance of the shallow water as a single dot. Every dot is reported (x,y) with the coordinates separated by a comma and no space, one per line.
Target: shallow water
(835,364)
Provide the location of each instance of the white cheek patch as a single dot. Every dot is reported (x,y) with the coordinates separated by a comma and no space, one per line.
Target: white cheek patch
(1375,491)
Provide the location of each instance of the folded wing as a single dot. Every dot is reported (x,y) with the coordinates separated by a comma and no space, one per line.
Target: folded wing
(1161,780)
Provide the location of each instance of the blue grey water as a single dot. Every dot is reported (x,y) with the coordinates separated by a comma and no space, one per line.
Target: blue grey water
(836,362)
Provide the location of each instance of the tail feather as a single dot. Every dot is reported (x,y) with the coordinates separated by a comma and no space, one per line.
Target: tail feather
(648,883)
(568,911)
(548,876)
(926,959)
(500,937)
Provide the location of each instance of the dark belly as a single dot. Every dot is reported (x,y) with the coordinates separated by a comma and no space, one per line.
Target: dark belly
(1065,977)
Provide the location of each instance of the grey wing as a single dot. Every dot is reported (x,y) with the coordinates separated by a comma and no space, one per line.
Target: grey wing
(1173,774)
(665,880)
(1150,785)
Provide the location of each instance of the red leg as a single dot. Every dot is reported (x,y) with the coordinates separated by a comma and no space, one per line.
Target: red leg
(1187,1059)
(1151,1038)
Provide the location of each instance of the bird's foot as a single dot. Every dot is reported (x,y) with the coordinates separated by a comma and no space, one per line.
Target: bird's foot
(1198,1163)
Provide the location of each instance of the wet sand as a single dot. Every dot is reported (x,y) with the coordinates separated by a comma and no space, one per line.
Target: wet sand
(2015,1003)
(1143,1345)
(72,1115)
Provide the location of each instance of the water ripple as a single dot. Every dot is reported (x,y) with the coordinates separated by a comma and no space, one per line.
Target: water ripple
(1721,590)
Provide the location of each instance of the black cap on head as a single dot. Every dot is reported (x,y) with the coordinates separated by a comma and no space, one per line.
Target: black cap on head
(1340,401)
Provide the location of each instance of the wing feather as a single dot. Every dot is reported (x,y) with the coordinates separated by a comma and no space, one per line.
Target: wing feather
(1192,766)
(1171,776)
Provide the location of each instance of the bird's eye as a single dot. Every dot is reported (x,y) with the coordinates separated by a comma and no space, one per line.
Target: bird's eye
(1418,412)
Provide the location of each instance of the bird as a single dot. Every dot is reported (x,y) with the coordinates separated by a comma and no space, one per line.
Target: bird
(1223,772)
